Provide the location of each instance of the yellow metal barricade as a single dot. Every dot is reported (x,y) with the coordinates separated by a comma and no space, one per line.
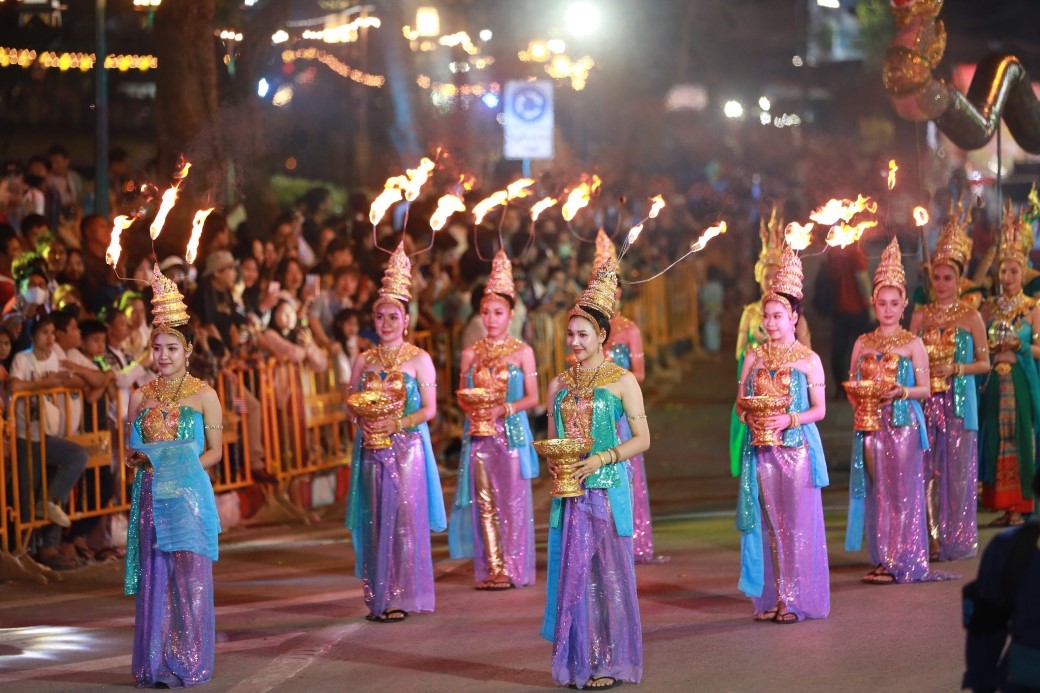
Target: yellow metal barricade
(236,388)
(5,462)
(104,487)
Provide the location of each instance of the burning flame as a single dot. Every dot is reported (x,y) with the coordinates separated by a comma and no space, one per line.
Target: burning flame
(169,198)
(541,206)
(798,236)
(182,173)
(843,235)
(656,207)
(892,168)
(842,210)
(196,234)
(416,178)
(709,234)
(446,206)
(518,188)
(920,216)
(114,249)
(633,234)
(392,192)
(579,197)
(484,206)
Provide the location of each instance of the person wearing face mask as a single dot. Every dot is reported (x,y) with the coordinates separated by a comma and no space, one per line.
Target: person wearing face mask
(1010,394)
(492,519)
(32,299)
(951,463)
(751,331)
(886,483)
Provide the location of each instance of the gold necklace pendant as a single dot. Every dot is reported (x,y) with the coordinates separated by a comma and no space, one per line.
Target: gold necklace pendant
(774,355)
(883,344)
(944,313)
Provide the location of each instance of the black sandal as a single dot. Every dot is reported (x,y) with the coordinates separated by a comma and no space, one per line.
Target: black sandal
(765,616)
(388,616)
(786,618)
(591,684)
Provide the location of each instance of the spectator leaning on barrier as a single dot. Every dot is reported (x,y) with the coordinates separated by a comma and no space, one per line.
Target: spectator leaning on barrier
(33,370)
(213,304)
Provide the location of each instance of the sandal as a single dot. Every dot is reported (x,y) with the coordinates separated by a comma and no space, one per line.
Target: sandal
(494,586)
(593,684)
(785,618)
(880,576)
(766,616)
(388,616)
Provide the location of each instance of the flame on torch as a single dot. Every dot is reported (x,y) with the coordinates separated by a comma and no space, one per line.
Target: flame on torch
(579,197)
(842,210)
(541,206)
(391,194)
(798,236)
(196,234)
(416,178)
(843,235)
(114,249)
(633,234)
(182,173)
(518,188)
(446,206)
(709,234)
(169,198)
(656,206)
(920,216)
(892,168)
(486,205)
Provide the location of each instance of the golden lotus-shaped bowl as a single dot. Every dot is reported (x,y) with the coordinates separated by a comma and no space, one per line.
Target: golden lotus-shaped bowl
(374,405)
(478,402)
(1001,336)
(940,355)
(866,396)
(764,406)
(564,453)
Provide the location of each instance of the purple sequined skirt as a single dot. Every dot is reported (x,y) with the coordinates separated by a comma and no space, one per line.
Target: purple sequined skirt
(496,483)
(794,539)
(642,531)
(174,628)
(951,469)
(597,618)
(397,572)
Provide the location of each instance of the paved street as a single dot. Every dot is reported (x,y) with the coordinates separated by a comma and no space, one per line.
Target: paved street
(289,609)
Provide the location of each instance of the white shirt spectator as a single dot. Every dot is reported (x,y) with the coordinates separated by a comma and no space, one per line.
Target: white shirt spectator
(28,368)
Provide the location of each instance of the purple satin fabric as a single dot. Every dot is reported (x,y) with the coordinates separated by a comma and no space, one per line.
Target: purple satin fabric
(794,539)
(953,462)
(398,567)
(597,623)
(513,507)
(175,628)
(894,521)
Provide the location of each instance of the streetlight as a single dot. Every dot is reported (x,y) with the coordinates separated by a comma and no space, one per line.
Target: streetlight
(582,18)
(427,22)
(733,109)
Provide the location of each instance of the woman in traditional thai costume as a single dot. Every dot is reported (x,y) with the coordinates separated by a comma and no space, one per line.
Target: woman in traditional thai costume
(752,331)
(886,484)
(591,610)
(624,347)
(395,493)
(172,538)
(779,510)
(1010,395)
(950,326)
(492,520)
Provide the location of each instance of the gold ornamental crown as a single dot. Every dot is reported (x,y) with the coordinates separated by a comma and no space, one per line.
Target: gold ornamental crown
(168,309)
(501,279)
(890,270)
(906,12)
(599,294)
(605,250)
(789,277)
(1016,238)
(771,232)
(954,244)
(397,278)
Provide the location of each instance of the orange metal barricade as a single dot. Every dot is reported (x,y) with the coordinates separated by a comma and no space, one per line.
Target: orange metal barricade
(235,387)
(5,461)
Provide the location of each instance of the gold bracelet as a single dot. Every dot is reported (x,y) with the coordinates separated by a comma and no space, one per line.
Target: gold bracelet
(599,456)
(509,409)
(795,419)
(636,417)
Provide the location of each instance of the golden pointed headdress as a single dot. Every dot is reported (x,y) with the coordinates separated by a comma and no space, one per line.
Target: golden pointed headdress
(772,234)
(397,279)
(168,309)
(788,280)
(1016,238)
(501,279)
(605,250)
(890,270)
(954,244)
(598,296)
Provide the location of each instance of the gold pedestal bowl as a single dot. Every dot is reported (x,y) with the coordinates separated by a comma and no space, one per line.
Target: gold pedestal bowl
(941,348)
(564,453)
(765,406)
(478,402)
(866,397)
(373,405)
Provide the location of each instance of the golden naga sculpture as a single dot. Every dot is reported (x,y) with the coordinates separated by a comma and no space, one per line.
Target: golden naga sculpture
(999,89)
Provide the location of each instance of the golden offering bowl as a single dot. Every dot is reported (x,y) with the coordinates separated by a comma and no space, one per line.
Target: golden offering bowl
(764,406)
(1001,336)
(373,405)
(478,402)
(940,355)
(866,396)
(564,453)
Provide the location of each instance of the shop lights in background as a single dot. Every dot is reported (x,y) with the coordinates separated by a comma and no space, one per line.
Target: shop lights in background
(22,57)
(334,64)
(577,71)
(146,4)
(341,33)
